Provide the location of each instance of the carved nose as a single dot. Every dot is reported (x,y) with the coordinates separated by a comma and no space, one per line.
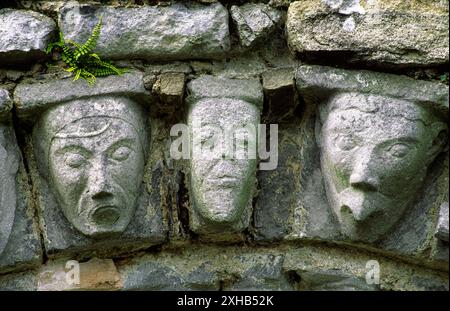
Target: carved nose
(99,186)
(362,178)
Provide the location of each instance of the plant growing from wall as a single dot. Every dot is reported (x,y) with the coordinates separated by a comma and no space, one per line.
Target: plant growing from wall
(81,61)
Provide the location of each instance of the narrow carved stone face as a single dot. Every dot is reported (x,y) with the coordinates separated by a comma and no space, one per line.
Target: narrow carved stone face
(374,155)
(96,165)
(221,186)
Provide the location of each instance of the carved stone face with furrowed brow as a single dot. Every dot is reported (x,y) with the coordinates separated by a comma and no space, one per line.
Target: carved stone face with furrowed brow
(95,167)
(375,152)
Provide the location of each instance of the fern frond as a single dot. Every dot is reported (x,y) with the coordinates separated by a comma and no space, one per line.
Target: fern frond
(90,43)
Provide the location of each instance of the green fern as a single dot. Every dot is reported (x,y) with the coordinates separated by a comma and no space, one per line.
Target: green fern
(81,61)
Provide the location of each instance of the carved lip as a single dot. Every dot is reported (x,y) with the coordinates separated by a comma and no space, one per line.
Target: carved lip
(224,181)
(105,214)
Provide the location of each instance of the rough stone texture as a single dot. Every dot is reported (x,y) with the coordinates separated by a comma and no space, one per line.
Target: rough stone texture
(279,91)
(95,274)
(170,88)
(25,281)
(221,187)
(388,32)
(30,99)
(207,86)
(442,226)
(188,62)
(20,246)
(333,280)
(177,31)
(318,82)
(5,104)
(24,35)
(255,22)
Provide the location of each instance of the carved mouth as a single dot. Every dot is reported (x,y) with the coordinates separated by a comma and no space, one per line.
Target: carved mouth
(105,215)
(224,181)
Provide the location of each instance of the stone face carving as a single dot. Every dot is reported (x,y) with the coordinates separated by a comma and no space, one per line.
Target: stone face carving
(93,155)
(222,185)
(98,189)
(371,147)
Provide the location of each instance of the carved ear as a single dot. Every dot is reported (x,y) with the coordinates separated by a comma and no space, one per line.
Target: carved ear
(440,141)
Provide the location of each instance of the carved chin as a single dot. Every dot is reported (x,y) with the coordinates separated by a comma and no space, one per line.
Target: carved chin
(221,206)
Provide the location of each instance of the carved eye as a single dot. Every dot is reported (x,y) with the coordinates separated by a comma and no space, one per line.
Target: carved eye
(398,150)
(121,153)
(345,142)
(75,160)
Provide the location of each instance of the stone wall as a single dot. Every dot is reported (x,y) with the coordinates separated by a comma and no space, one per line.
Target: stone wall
(356,197)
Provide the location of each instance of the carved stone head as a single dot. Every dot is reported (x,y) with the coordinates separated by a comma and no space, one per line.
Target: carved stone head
(375,151)
(92,152)
(222,185)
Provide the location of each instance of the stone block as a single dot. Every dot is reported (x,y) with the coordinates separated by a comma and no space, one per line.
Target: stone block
(390,33)
(178,31)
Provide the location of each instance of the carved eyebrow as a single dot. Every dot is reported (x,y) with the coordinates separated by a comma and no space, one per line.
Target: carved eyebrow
(128,142)
(76,148)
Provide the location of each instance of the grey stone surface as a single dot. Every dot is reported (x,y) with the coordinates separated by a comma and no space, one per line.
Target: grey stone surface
(371,146)
(153,273)
(5,104)
(442,226)
(25,281)
(32,98)
(178,31)
(261,273)
(388,32)
(207,86)
(222,174)
(333,280)
(277,197)
(255,22)
(318,82)
(279,92)
(24,35)
(90,150)
(20,246)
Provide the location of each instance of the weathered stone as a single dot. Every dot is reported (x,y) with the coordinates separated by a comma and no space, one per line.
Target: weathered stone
(442,226)
(5,104)
(384,32)
(31,99)
(20,246)
(24,35)
(333,280)
(261,272)
(221,181)
(168,272)
(366,158)
(170,88)
(90,150)
(177,31)
(318,82)
(95,274)
(25,281)
(255,22)
(277,197)
(211,87)
(279,91)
